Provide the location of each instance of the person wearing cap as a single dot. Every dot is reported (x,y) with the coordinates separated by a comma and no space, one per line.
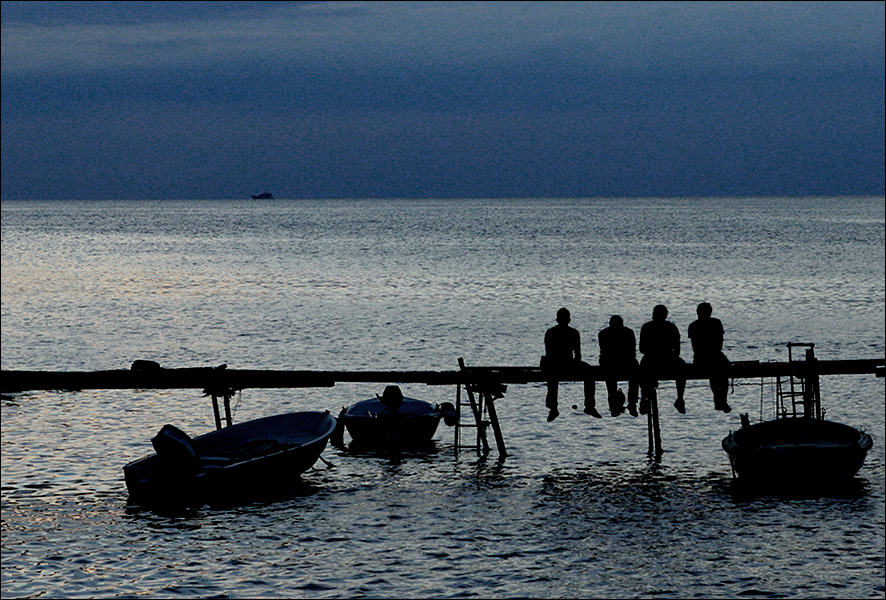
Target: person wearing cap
(562,360)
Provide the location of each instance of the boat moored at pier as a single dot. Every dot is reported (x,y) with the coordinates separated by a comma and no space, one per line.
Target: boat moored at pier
(799,446)
(392,419)
(255,454)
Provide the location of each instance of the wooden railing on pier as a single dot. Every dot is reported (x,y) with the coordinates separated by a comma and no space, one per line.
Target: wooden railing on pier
(483,384)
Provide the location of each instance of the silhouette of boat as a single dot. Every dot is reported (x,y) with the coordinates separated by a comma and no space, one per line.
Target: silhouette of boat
(799,446)
(263,196)
(392,420)
(250,455)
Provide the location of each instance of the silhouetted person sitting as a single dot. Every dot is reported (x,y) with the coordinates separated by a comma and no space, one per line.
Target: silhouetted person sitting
(562,360)
(706,334)
(660,346)
(618,350)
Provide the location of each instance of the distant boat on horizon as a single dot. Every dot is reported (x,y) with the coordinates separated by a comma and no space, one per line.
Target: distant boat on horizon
(263,196)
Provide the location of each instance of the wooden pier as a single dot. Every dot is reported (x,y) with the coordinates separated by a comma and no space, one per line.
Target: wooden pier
(482,385)
(241,379)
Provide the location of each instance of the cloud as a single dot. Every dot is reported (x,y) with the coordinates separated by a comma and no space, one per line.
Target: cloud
(604,35)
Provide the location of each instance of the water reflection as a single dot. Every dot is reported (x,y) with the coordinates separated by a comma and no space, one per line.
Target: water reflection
(393,452)
(270,492)
(749,491)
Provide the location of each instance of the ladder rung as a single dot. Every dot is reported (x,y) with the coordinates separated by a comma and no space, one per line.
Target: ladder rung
(483,424)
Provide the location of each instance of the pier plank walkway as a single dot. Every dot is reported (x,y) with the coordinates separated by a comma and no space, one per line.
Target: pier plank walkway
(241,379)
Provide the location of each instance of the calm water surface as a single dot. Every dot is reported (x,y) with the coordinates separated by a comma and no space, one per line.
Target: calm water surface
(576,510)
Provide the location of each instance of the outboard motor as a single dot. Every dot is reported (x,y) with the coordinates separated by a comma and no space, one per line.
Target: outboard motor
(173,447)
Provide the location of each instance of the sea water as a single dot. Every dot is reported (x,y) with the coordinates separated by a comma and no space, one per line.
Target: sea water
(576,509)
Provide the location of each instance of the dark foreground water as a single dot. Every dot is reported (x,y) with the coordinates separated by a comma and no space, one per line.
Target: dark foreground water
(576,510)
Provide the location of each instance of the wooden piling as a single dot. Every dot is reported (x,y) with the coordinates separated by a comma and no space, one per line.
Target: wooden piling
(655,443)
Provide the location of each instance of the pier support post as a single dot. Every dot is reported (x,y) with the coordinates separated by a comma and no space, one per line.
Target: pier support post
(215,412)
(226,395)
(652,425)
(496,427)
(812,395)
(228,420)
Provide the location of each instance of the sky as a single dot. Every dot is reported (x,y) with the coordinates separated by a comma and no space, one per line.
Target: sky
(179,100)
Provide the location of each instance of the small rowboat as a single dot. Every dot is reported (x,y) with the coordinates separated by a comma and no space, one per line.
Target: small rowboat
(254,454)
(796,450)
(799,447)
(392,420)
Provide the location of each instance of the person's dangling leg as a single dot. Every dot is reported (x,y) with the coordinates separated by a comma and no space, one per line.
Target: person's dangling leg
(680,379)
(551,400)
(720,384)
(590,390)
(720,388)
(633,394)
(647,385)
(612,395)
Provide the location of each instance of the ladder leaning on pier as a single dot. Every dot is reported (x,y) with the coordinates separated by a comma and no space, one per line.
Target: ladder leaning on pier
(482,394)
(798,393)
